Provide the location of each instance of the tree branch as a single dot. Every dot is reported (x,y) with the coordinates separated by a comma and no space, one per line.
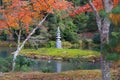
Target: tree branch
(33,31)
(19,37)
(98,19)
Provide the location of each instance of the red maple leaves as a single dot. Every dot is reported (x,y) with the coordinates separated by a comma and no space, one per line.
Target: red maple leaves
(20,13)
(97,3)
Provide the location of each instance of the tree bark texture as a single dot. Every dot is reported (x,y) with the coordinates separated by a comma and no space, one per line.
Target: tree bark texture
(103,27)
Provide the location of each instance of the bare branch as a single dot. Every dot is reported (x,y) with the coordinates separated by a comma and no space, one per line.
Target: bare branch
(33,31)
(43,20)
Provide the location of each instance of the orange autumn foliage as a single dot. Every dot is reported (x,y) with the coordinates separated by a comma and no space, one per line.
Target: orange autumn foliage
(21,13)
(50,5)
(6,0)
(117,49)
(115,18)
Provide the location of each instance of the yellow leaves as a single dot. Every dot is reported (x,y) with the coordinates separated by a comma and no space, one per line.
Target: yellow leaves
(115,18)
(14,25)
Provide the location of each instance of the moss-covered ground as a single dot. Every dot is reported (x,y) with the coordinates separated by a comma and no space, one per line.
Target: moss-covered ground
(61,53)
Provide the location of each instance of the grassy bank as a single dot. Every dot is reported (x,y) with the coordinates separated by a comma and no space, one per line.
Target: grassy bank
(69,75)
(62,53)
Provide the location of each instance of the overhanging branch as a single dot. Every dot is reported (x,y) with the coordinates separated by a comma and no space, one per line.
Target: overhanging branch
(98,19)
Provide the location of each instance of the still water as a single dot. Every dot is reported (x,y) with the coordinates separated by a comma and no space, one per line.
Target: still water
(6,51)
(59,66)
(53,65)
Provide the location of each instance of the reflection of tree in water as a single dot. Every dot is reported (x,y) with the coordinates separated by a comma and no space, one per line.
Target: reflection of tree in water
(88,65)
(79,64)
(54,66)
(44,66)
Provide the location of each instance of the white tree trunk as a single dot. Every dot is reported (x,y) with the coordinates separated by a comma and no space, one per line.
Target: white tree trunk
(14,58)
(23,43)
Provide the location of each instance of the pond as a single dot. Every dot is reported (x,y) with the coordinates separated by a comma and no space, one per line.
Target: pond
(60,66)
(5,51)
(53,65)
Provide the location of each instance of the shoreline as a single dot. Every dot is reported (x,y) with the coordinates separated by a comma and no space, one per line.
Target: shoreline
(44,57)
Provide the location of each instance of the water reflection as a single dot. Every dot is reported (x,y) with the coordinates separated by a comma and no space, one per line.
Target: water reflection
(59,66)
(5,51)
(52,65)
